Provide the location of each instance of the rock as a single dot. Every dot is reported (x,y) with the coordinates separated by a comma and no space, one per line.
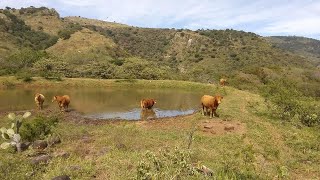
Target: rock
(25,145)
(62,154)
(121,146)
(206,171)
(39,144)
(62,177)
(32,173)
(206,121)
(208,126)
(229,127)
(86,139)
(203,169)
(104,151)
(213,132)
(54,139)
(40,159)
(75,168)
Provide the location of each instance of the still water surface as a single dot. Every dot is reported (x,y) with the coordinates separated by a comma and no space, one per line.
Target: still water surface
(107,103)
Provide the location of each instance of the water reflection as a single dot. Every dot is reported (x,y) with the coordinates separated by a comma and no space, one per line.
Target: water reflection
(138,114)
(107,103)
(147,114)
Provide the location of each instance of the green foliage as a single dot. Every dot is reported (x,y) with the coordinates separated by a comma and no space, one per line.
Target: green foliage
(52,68)
(8,84)
(288,102)
(22,60)
(285,96)
(38,128)
(166,165)
(24,35)
(70,29)
(309,114)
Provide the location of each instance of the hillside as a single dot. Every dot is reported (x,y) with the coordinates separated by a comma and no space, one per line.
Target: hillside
(303,46)
(82,47)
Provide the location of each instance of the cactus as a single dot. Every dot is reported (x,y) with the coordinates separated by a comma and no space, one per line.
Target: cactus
(10,134)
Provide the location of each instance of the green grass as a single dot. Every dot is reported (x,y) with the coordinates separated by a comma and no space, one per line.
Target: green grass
(268,149)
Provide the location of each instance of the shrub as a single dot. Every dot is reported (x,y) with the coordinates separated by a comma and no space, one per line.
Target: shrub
(38,128)
(285,98)
(310,115)
(166,165)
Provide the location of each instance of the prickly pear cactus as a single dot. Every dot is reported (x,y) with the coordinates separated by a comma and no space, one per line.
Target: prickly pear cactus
(13,137)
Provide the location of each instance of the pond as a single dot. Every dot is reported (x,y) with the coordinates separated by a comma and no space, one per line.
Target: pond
(107,103)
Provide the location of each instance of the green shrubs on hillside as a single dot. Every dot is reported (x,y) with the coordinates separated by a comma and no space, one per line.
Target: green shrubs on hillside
(24,35)
(288,103)
(70,29)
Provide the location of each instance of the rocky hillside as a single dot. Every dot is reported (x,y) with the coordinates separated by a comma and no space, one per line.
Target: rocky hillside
(38,42)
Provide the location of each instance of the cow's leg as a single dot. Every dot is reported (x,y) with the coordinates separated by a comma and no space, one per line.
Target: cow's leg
(215,113)
(203,110)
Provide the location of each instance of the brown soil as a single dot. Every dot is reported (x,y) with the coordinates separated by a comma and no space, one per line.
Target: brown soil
(219,127)
(207,126)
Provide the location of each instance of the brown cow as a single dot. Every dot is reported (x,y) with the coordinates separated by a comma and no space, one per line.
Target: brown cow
(63,101)
(212,103)
(39,99)
(223,82)
(147,103)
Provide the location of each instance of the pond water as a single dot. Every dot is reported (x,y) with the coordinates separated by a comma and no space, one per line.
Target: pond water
(107,103)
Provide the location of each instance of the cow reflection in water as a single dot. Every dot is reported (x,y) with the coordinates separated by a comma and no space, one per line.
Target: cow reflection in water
(147,114)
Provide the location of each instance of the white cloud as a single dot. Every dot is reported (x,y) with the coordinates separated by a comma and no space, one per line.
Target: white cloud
(273,17)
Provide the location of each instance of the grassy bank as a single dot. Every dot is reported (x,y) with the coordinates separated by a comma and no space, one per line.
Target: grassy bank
(11,82)
(258,147)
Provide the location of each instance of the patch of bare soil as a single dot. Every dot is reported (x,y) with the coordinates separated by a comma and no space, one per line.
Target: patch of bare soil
(220,127)
(178,122)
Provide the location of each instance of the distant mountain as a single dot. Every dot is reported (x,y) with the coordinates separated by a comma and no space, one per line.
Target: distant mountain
(37,41)
(307,47)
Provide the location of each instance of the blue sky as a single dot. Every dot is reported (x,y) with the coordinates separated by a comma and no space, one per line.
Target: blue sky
(272,17)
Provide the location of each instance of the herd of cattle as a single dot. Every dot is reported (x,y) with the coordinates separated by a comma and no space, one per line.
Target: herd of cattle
(210,103)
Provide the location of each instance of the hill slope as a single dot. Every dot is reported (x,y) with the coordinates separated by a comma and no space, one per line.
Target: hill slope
(303,46)
(99,49)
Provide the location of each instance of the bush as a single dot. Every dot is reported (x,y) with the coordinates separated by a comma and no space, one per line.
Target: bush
(166,165)
(27,79)
(70,29)
(310,115)
(285,98)
(38,128)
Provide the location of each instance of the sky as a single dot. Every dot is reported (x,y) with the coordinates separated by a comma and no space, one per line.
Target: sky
(264,17)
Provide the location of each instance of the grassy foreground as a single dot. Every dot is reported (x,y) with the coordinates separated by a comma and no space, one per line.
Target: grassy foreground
(257,148)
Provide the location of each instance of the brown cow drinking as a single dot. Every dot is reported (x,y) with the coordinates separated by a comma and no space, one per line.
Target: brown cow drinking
(63,101)
(147,103)
(211,103)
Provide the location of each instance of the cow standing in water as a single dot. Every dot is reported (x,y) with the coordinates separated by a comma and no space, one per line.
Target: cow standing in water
(147,103)
(39,99)
(63,102)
